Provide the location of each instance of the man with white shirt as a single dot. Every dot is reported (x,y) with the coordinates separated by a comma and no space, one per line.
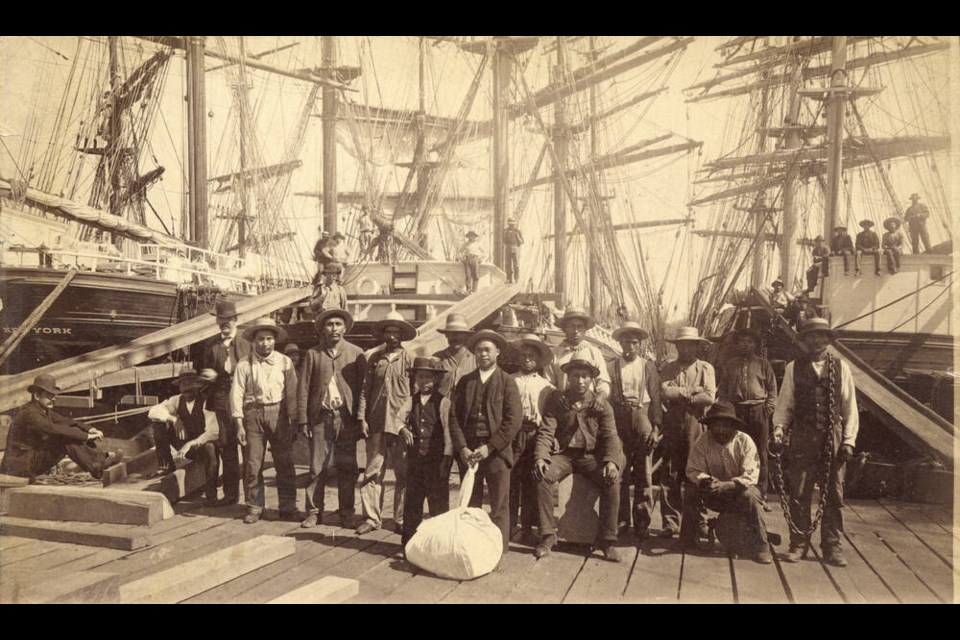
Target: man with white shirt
(331,377)
(183,422)
(574,323)
(263,400)
(471,254)
(817,406)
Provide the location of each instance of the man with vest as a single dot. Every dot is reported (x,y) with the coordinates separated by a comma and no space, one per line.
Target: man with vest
(186,424)
(916,216)
(456,359)
(484,420)
(263,402)
(39,437)
(222,354)
(817,408)
(635,397)
(512,239)
(328,396)
(579,435)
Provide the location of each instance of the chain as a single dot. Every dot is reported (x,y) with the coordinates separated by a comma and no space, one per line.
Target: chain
(827,459)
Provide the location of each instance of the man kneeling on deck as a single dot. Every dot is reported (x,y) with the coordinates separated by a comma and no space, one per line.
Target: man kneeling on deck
(579,435)
(723,469)
(182,421)
(39,438)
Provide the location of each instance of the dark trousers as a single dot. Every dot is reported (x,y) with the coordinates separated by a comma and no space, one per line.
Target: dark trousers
(893,259)
(919,233)
(803,470)
(165,436)
(745,504)
(577,461)
(340,453)
(523,488)
(497,475)
(30,463)
(758,428)
(268,424)
(873,252)
(813,276)
(229,450)
(633,425)
(512,266)
(681,429)
(428,478)
(471,266)
(846,263)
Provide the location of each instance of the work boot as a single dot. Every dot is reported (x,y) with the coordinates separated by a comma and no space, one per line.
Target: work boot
(546,545)
(310,521)
(610,553)
(252,517)
(228,501)
(763,556)
(834,557)
(669,531)
(795,554)
(365,528)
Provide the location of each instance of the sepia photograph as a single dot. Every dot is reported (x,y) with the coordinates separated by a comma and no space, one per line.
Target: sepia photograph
(478,319)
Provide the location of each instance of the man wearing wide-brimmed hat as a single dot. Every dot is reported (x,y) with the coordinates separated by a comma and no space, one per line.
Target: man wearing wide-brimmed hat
(534,355)
(841,244)
(386,386)
(722,474)
(687,387)
(747,381)
(222,353)
(39,437)
(263,403)
(471,254)
(579,435)
(485,418)
(892,244)
(455,359)
(867,243)
(328,398)
(329,293)
(512,239)
(821,263)
(916,216)
(817,407)
(635,398)
(574,323)
(780,297)
(184,423)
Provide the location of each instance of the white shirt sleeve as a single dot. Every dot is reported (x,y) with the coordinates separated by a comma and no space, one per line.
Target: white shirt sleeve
(851,414)
(697,461)
(394,426)
(603,380)
(783,412)
(445,422)
(236,390)
(166,411)
(750,474)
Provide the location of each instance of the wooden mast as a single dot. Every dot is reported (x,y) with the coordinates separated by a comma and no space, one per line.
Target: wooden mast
(560,144)
(242,89)
(791,232)
(329,119)
(760,216)
(835,113)
(115,154)
(196,141)
(502,75)
(593,290)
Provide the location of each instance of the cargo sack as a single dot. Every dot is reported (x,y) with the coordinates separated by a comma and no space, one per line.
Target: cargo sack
(462,543)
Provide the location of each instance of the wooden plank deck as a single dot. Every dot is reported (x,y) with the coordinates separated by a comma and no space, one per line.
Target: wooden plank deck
(897,552)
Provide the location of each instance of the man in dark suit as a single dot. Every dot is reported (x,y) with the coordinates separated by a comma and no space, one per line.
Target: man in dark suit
(486,416)
(579,435)
(331,377)
(222,353)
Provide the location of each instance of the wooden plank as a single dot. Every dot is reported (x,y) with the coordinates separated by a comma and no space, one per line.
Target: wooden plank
(807,581)
(77,504)
(944,517)
(183,581)
(114,536)
(550,578)
(757,583)
(857,583)
(63,554)
(9,542)
(927,531)
(494,587)
(924,563)
(86,563)
(706,578)
(58,587)
(387,577)
(578,508)
(327,590)
(142,464)
(655,575)
(23,552)
(601,581)
(424,588)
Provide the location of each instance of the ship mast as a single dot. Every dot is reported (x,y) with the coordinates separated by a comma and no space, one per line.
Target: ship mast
(196,143)
(835,113)
(789,249)
(329,119)
(593,288)
(560,144)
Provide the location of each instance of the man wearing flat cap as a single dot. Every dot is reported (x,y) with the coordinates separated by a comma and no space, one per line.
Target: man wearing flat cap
(817,409)
(485,418)
(263,403)
(184,423)
(687,388)
(841,244)
(579,435)
(39,437)
(867,243)
(722,474)
(574,324)
(916,216)
(328,396)
(455,359)
(386,387)
(748,383)
(635,397)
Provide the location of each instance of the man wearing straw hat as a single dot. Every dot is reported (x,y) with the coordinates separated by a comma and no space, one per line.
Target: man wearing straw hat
(455,359)
(471,253)
(39,437)
(687,387)
(574,323)
(328,396)
(484,420)
(892,243)
(386,386)
(183,422)
(817,407)
(512,239)
(534,355)
(821,263)
(916,216)
(263,401)
(635,398)
(867,243)
(222,353)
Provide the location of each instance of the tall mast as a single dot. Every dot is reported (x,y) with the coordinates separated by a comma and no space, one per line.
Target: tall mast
(835,113)
(560,144)
(593,288)
(114,158)
(196,141)
(758,215)
(329,51)
(791,231)
(502,76)
(242,89)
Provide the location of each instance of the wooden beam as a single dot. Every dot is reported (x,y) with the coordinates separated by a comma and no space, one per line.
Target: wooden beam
(588,122)
(256,56)
(123,537)
(630,226)
(14,339)
(391,199)
(854,148)
(270,171)
(326,590)
(84,504)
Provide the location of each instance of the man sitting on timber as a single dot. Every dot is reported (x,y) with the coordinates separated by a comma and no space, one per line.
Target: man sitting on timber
(39,438)
(722,472)
(182,421)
